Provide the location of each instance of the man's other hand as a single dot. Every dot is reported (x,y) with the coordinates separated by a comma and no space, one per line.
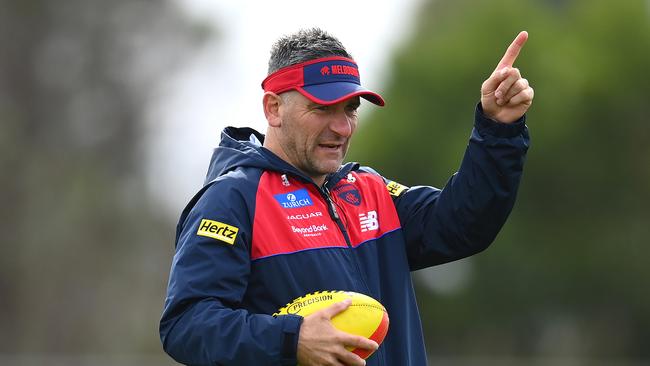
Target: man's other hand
(505,95)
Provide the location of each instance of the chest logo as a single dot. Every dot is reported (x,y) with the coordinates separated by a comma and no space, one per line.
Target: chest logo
(295,199)
(349,194)
(369,221)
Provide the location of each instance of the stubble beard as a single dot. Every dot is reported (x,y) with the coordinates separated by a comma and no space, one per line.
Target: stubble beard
(319,167)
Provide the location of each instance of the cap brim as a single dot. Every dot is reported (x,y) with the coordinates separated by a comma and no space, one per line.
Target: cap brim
(332,93)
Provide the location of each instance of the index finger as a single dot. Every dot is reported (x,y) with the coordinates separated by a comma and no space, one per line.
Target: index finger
(336,308)
(512,52)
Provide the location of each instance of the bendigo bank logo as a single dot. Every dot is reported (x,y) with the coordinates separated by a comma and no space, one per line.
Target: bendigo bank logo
(295,199)
(218,230)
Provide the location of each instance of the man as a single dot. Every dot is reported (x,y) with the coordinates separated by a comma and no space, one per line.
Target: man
(280,220)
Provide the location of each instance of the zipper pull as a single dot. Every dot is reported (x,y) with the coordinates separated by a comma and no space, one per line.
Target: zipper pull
(331,205)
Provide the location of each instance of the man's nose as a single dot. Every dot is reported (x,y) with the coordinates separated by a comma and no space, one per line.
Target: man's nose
(342,124)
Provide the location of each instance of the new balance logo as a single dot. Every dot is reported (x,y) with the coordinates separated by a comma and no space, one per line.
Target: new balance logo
(369,221)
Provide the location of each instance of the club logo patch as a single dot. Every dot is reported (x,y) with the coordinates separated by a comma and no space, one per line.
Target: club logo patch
(325,70)
(295,199)
(349,194)
(218,230)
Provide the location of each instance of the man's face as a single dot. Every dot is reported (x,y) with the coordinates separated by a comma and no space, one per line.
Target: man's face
(314,137)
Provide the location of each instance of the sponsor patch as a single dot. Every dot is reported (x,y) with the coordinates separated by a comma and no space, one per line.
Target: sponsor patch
(368,221)
(305,216)
(295,199)
(313,230)
(218,230)
(395,189)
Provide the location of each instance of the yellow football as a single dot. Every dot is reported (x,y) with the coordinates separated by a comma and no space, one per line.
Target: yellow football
(365,316)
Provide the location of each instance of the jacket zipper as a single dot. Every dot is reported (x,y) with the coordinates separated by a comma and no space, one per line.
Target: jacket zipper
(331,207)
(335,215)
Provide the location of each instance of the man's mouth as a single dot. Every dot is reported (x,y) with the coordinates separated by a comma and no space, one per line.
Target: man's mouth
(330,146)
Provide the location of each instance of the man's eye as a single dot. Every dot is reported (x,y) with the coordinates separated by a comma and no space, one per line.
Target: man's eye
(323,108)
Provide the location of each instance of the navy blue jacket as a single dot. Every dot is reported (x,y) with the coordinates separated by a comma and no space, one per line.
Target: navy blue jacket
(260,233)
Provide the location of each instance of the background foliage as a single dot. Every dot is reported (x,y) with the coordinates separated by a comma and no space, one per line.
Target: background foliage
(85,253)
(568,275)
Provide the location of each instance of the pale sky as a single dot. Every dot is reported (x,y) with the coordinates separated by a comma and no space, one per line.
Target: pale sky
(220,85)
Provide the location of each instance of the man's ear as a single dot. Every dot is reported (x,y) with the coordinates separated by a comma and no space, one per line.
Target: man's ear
(271,103)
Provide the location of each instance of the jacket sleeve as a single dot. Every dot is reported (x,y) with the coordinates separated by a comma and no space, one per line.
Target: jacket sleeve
(465,216)
(203,322)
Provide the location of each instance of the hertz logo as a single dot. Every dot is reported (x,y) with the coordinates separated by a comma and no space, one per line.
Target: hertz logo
(218,230)
(395,189)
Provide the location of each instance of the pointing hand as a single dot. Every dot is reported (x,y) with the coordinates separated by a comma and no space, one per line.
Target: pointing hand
(505,95)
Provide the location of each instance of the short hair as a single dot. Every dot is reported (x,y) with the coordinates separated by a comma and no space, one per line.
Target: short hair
(304,45)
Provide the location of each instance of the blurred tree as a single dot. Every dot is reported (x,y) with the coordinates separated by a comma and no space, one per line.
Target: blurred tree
(86,255)
(568,275)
